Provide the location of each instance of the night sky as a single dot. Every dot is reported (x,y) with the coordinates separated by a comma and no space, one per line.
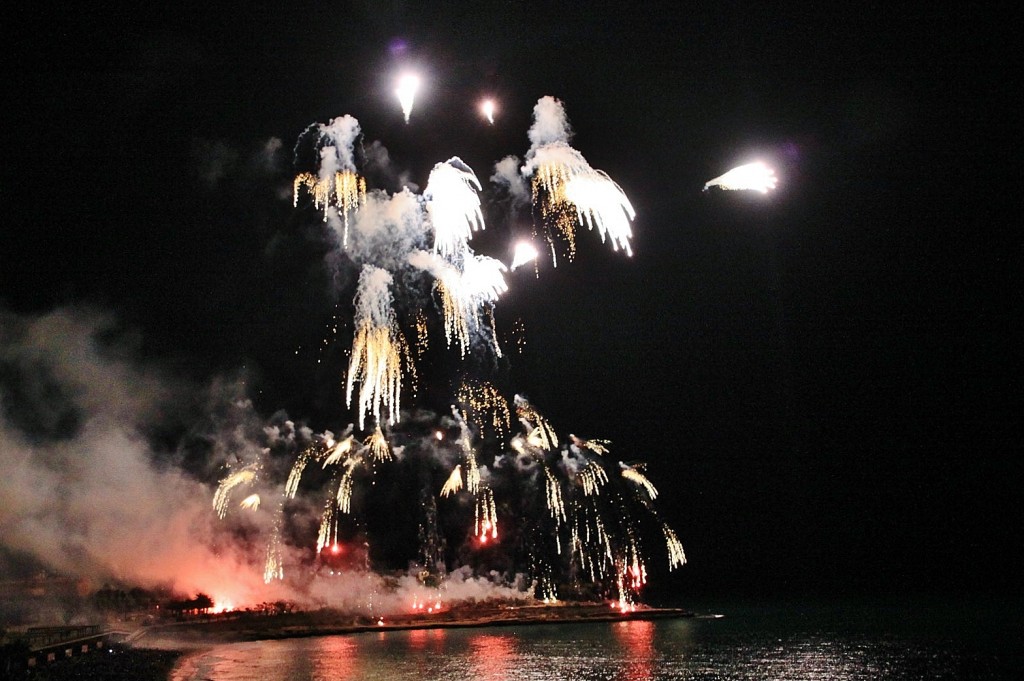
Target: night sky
(825,381)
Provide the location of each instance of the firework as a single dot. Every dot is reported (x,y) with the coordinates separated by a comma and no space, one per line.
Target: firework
(344,496)
(378,446)
(336,185)
(378,349)
(596,446)
(567,191)
(336,451)
(542,434)
(635,475)
(221,497)
(273,566)
(453,206)
(553,495)
(251,502)
(676,556)
(487,109)
(591,477)
(454,482)
(406,92)
(486,516)
(524,253)
(485,407)
(753,176)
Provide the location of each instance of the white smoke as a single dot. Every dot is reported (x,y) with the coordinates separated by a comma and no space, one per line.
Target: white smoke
(550,124)
(506,176)
(83,492)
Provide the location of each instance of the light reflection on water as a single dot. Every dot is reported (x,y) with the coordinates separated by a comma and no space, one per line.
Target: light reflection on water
(732,648)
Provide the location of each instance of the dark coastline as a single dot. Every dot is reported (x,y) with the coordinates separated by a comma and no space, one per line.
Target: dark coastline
(249,627)
(155,650)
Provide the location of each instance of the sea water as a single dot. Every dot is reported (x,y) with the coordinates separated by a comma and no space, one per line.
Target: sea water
(783,641)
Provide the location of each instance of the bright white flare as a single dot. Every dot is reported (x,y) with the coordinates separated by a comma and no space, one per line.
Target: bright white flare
(568,191)
(453,206)
(487,109)
(601,204)
(525,252)
(406,92)
(754,176)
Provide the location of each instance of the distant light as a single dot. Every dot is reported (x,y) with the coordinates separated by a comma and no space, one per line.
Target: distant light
(487,109)
(525,252)
(439,435)
(408,84)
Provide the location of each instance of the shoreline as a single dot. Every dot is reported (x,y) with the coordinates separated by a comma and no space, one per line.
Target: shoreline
(253,627)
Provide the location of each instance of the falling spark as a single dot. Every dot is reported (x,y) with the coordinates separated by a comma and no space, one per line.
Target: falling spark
(487,109)
(273,567)
(676,556)
(422,337)
(454,482)
(486,407)
(292,485)
(223,493)
(542,435)
(486,516)
(406,91)
(251,502)
(753,176)
(338,450)
(378,349)
(597,446)
(633,474)
(553,495)
(346,191)
(378,446)
(592,476)
(525,252)
(344,496)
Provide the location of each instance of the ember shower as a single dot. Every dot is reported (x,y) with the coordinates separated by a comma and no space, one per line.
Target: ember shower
(492,488)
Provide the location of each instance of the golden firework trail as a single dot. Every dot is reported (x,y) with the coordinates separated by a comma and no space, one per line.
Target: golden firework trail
(291,486)
(553,496)
(378,349)
(486,408)
(542,434)
(634,475)
(346,191)
(755,176)
(251,502)
(336,451)
(222,496)
(486,516)
(597,446)
(591,477)
(422,337)
(344,496)
(454,482)
(676,556)
(328,533)
(273,566)
(456,325)
(378,446)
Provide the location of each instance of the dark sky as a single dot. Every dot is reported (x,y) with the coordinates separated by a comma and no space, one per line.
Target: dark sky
(824,381)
